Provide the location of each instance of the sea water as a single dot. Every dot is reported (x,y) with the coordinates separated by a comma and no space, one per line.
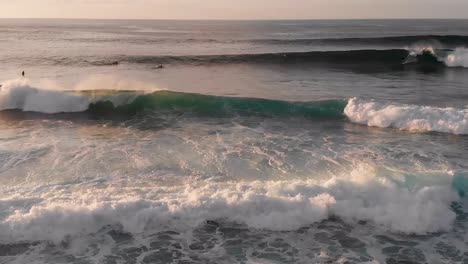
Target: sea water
(256,142)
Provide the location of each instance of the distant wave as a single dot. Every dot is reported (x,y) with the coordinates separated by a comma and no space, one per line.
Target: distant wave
(445,40)
(448,41)
(388,58)
(385,57)
(393,56)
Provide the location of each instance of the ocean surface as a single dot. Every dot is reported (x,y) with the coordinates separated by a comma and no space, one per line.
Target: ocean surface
(234,141)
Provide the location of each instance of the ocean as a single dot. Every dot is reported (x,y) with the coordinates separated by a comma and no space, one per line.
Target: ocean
(320,141)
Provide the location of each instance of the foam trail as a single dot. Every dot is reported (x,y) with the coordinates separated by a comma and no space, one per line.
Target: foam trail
(408,117)
(459,58)
(18,94)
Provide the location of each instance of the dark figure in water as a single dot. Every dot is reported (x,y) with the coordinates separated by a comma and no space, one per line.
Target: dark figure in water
(22,73)
(160,67)
(427,57)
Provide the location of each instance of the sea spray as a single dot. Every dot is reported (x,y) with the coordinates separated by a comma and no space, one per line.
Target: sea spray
(18,94)
(458,58)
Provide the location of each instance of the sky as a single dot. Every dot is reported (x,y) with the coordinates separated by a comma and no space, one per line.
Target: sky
(230,9)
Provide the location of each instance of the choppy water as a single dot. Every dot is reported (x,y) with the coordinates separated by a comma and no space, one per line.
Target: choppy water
(258,142)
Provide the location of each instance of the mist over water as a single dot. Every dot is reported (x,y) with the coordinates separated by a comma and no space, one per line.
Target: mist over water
(256,142)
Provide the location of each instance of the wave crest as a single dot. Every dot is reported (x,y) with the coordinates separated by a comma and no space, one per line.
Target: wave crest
(18,94)
(408,117)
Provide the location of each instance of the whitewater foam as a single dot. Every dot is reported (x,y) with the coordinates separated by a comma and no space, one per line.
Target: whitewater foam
(50,98)
(19,94)
(69,210)
(408,117)
(458,58)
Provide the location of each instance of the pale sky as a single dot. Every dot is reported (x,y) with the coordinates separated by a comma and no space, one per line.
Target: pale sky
(228,9)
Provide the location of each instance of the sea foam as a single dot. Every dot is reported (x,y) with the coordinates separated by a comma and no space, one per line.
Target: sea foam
(65,211)
(458,58)
(19,94)
(408,117)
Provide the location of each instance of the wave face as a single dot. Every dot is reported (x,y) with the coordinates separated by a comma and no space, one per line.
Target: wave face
(216,106)
(21,96)
(408,117)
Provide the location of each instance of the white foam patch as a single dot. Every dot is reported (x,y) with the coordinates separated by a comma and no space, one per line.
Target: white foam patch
(458,58)
(271,205)
(408,117)
(19,94)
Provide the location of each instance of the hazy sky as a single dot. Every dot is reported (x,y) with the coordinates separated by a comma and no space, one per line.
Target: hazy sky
(229,9)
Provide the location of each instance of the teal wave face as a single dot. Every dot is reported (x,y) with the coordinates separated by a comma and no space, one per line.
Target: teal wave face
(218,106)
(460,184)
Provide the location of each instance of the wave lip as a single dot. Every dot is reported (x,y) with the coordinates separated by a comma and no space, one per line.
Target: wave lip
(408,117)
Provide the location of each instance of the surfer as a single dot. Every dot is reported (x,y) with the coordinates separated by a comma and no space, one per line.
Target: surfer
(22,73)
(160,67)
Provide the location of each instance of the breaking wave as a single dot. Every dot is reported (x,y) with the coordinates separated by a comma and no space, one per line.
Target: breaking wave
(408,117)
(108,103)
(19,95)
(458,58)
(269,205)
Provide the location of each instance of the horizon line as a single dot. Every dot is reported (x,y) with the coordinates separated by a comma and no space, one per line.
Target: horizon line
(233,19)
